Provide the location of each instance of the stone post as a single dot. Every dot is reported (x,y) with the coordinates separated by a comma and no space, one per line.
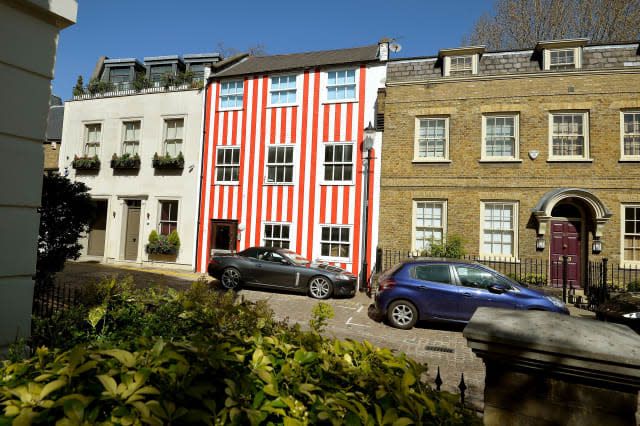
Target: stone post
(544,368)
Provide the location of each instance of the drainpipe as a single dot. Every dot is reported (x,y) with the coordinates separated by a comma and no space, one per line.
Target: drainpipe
(204,132)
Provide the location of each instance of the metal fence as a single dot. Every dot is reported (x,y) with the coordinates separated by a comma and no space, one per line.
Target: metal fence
(127,89)
(48,299)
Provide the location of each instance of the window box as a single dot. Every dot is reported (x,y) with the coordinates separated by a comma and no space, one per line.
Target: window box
(86,163)
(167,161)
(125,161)
(167,245)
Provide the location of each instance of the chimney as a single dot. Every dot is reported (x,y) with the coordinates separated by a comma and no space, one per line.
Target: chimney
(383,49)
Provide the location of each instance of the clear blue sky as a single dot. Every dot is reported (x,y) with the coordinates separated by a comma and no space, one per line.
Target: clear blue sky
(139,28)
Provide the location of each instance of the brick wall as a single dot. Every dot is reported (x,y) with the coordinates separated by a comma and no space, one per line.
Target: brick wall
(465,181)
(51,155)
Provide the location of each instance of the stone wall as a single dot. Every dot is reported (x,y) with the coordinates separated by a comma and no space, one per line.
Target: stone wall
(466,180)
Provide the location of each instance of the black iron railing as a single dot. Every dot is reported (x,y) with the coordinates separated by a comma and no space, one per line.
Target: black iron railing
(48,299)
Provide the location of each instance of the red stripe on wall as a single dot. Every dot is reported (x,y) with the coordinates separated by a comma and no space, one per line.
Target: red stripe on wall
(211,189)
(205,171)
(269,202)
(242,151)
(258,219)
(349,132)
(370,218)
(303,153)
(252,150)
(272,133)
(334,205)
(325,128)
(312,166)
(358,195)
(234,134)
(294,124)
(336,126)
(323,204)
(283,125)
(290,203)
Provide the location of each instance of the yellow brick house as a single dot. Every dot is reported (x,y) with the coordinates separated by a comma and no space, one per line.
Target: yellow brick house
(525,154)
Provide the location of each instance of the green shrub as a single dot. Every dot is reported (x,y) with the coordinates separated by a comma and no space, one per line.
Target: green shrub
(528,279)
(320,316)
(174,239)
(633,286)
(78,89)
(96,86)
(153,236)
(452,248)
(141,82)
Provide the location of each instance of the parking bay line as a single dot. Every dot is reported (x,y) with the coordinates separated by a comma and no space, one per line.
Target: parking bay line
(357,325)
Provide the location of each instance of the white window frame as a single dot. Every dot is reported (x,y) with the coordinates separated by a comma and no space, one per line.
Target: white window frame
(414,221)
(416,144)
(160,221)
(292,164)
(577,58)
(585,133)
(335,259)
(124,135)
(98,144)
(234,94)
(446,65)
(354,153)
(516,143)
(165,128)
(324,85)
(281,224)
(270,104)
(227,165)
(515,230)
(624,156)
(623,233)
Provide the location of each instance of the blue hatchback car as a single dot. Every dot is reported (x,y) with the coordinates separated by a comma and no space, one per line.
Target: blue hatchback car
(451,290)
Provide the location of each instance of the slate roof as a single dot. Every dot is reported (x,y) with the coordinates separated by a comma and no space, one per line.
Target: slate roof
(54,123)
(263,64)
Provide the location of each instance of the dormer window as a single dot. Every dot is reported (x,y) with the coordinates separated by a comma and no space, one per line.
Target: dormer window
(461,61)
(461,65)
(561,55)
(562,59)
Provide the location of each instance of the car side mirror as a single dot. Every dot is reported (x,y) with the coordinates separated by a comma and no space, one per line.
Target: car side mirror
(497,288)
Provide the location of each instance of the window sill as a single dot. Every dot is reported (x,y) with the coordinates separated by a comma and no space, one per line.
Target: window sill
(569,160)
(334,260)
(498,258)
(295,104)
(337,184)
(340,101)
(278,184)
(627,264)
(230,109)
(443,161)
(227,183)
(629,160)
(506,160)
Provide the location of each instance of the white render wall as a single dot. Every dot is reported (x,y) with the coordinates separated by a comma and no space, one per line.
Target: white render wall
(148,185)
(29,32)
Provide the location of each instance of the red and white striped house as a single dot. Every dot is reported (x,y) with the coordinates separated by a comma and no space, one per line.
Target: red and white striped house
(283,155)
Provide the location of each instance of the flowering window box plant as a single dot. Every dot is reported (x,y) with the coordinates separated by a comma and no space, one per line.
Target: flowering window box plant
(125,161)
(163,244)
(167,161)
(85,163)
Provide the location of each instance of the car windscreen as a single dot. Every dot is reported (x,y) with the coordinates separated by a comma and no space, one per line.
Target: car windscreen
(296,258)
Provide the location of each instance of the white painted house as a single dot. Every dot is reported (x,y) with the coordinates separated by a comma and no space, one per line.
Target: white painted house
(138,195)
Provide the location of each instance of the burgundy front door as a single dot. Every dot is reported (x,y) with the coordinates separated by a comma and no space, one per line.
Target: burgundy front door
(565,240)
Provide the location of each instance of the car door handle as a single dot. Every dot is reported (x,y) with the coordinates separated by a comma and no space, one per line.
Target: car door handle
(467,294)
(423,287)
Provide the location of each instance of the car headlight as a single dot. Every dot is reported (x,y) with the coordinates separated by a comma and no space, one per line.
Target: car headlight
(556,302)
(345,277)
(632,315)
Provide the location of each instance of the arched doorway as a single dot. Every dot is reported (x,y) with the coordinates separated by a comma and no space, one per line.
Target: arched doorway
(569,216)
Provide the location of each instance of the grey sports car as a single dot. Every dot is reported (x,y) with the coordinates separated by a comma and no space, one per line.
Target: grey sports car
(281,268)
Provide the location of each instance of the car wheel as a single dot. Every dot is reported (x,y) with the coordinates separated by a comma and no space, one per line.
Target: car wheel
(402,314)
(320,288)
(230,278)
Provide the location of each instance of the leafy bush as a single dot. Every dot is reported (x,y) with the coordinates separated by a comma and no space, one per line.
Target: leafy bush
(153,236)
(78,89)
(168,162)
(174,239)
(633,286)
(125,161)
(141,82)
(265,372)
(320,316)
(96,86)
(452,248)
(528,279)
(85,162)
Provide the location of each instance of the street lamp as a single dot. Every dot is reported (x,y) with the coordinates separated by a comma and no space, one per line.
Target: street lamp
(367,144)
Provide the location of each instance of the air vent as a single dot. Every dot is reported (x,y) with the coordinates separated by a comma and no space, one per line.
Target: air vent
(439,349)
(380,122)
